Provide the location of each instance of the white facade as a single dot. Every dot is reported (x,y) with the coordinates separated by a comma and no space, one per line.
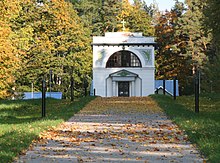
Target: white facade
(123,80)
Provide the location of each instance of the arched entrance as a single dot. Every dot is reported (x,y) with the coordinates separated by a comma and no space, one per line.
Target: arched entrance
(123,58)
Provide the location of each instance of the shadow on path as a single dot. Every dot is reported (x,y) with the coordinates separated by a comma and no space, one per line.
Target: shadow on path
(107,134)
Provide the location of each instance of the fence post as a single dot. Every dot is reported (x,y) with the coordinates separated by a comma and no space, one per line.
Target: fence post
(164,86)
(174,88)
(94,92)
(72,88)
(50,72)
(197,92)
(43,98)
(85,86)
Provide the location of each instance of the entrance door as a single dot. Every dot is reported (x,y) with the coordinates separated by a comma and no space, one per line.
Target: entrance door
(123,89)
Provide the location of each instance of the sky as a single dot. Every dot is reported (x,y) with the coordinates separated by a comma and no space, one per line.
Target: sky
(163,4)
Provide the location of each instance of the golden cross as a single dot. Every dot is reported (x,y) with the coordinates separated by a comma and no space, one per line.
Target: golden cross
(123,25)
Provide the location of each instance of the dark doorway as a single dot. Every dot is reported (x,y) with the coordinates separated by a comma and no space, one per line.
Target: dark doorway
(123,89)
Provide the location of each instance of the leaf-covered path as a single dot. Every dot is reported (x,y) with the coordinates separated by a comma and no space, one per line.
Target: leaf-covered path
(115,130)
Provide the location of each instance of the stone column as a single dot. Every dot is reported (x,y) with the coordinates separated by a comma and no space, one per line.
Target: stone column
(132,88)
(114,88)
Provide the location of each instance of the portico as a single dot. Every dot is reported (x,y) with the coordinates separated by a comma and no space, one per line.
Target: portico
(123,82)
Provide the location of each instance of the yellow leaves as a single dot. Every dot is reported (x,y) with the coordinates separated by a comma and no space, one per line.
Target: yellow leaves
(79,159)
(120,105)
(43,149)
(156,149)
(8,59)
(89,140)
(23,152)
(102,137)
(75,133)
(138,158)
(8,9)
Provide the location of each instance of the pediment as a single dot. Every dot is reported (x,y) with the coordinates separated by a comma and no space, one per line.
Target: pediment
(123,73)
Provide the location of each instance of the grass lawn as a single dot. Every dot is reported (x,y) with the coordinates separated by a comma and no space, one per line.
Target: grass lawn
(21,122)
(203,128)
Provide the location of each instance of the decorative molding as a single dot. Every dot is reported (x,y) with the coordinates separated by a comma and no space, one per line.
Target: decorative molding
(147,54)
(123,73)
(101,55)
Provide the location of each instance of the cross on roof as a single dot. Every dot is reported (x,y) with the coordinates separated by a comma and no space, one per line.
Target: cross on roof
(123,25)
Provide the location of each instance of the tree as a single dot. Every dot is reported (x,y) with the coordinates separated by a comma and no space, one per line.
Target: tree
(192,34)
(212,23)
(170,61)
(193,39)
(153,12)
(57,41)
(88,11)
(99,15)
(185,41)
(8,52)
(136,17)
(165,57)
(106,16)
(212,27)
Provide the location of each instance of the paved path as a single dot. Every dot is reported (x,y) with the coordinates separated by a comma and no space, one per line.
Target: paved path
(106,132)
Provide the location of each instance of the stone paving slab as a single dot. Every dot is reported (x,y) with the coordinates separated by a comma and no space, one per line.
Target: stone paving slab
(147,138)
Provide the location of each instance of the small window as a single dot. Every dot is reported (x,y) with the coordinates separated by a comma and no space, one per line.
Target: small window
(123,59)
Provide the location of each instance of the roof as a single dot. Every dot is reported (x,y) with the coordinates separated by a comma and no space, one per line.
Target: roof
(123,73)
(123,39)
(124,44)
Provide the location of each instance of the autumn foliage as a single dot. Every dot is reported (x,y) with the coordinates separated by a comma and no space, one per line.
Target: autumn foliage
(37,37)
(9,59)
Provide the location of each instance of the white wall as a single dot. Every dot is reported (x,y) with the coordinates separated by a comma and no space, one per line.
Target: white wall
(144,83)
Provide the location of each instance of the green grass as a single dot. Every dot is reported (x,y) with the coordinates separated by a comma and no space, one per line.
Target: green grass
(21,122)
(203,128)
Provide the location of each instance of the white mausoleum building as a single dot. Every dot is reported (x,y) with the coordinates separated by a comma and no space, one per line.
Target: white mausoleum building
(123,64)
